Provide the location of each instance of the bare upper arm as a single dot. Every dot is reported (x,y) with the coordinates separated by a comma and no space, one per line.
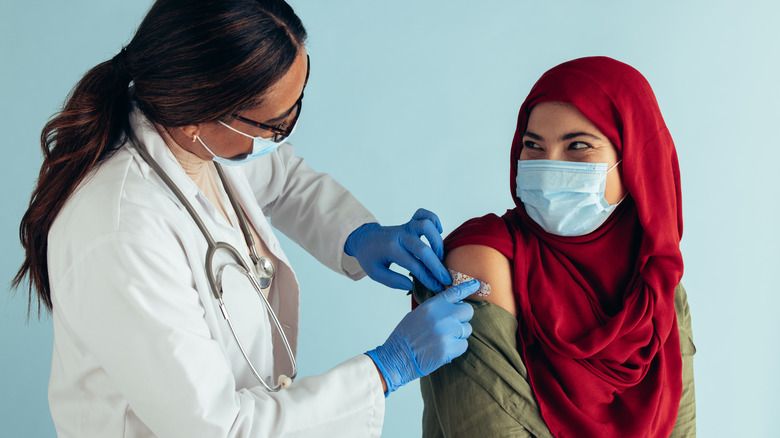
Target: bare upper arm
(488,266)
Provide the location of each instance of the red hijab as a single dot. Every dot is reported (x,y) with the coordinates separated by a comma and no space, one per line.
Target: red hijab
(598,329)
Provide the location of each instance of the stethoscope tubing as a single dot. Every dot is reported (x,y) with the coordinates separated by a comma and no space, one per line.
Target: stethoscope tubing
(213,247)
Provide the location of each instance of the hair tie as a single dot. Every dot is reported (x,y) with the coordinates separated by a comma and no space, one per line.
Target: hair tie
(119,63)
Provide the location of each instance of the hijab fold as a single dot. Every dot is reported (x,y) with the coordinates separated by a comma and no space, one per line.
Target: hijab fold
(597,324)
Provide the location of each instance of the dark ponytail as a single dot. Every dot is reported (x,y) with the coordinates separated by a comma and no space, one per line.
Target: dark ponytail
(189,62)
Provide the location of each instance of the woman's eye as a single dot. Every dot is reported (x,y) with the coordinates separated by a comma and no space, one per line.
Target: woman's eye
(578,145)
(531,145)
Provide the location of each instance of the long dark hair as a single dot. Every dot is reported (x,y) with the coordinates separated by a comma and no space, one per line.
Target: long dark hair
(189,62)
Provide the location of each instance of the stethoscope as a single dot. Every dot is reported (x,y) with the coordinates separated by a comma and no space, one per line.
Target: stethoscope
(265,269)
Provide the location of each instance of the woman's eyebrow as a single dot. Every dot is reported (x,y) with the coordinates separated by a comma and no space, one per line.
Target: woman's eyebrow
(568,136)
(571,135)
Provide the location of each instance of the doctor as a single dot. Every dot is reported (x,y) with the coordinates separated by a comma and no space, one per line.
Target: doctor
(129,201)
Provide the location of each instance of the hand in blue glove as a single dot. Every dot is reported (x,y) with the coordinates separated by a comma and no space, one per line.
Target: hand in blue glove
(377,247)
(428,337)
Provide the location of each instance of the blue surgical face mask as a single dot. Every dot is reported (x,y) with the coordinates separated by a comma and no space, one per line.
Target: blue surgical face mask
(260,146)
(565,198)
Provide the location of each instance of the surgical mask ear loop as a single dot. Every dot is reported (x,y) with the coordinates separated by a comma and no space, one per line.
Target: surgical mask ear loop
(624,196)
(204,145)
(242,133)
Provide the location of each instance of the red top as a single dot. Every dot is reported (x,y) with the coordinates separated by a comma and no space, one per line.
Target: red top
(598,329)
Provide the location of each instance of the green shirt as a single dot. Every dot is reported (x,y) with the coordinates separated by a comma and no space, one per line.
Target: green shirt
(485,392)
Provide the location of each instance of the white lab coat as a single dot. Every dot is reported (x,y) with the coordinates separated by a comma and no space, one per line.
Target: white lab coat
(140,346)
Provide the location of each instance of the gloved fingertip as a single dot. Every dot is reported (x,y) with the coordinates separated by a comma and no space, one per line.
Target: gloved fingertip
(436,221)
(458,293)
(403,285)
(445,278)
(432,285)
(421,214)
(469,313)
(461,348)
(470,287)
(467,330)
(426,277)
(392,280)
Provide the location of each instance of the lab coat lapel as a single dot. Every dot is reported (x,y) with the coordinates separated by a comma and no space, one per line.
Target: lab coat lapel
(215,224)
(285,304)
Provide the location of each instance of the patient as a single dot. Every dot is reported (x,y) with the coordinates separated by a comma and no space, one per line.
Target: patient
(584,330)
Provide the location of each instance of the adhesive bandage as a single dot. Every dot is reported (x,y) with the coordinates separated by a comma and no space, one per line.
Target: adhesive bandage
(459,277)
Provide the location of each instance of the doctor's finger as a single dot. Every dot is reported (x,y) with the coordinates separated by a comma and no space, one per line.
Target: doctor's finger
(463,312)
(457,293)
(391,279)
(434,238)
(422,257)
(422,213)
(466,331)
(419,270)
(458,348)
(428,229)
(425,254)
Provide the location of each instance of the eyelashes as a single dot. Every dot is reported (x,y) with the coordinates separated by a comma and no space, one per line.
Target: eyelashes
(573,146)
(584,146)
(531,145)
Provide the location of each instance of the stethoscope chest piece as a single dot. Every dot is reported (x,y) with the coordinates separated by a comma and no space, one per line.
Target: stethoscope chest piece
(265,272)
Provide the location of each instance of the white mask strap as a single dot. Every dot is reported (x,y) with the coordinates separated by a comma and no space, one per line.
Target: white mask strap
(204,145)
(624,196)
(616,164)
(236,130)
(610,169)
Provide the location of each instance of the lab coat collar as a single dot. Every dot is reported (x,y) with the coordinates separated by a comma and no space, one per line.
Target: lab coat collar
(146,132)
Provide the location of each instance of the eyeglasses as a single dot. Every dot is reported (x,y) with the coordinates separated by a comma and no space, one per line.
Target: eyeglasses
(279,132)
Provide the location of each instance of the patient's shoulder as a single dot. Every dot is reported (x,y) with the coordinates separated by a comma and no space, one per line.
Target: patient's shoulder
(488,266)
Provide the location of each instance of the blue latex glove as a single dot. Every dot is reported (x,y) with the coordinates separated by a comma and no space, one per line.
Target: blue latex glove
(428,337)
(377,247)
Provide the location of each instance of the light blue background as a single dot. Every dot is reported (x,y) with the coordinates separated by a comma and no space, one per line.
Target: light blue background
(413,104)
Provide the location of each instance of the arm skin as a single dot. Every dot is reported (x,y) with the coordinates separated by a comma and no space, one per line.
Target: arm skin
(489,266)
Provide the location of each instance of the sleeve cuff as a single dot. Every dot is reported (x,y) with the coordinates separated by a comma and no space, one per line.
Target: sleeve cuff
(350,265)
